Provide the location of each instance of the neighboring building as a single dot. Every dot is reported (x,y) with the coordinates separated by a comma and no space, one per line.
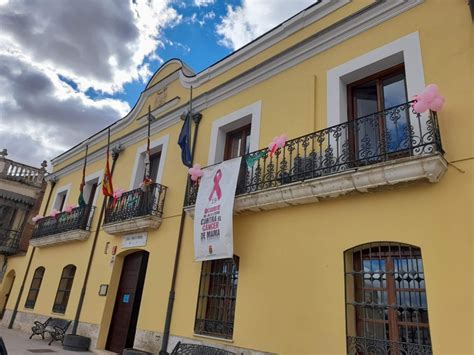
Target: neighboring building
(21,191)
(334,235)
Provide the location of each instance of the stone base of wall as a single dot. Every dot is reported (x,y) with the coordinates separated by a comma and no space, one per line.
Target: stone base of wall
(144,339)
(151,342)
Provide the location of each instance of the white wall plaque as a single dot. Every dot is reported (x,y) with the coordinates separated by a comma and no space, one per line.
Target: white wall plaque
(134,240)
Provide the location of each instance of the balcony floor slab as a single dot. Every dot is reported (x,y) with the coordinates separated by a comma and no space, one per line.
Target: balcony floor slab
(133,225)
(60,238)
(429,168)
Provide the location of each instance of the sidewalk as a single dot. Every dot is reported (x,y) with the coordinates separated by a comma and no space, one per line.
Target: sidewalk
(17,343)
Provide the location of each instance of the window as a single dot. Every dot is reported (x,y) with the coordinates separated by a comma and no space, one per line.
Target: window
(237,142)
(7,216)
(64,289)
(386,305)
(217,295)
(154,164)
(34,288)
(378,107)
(61,198)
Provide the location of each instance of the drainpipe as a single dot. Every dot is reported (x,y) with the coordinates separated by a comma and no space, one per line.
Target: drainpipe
(169,311)
(22,287)
(115,154)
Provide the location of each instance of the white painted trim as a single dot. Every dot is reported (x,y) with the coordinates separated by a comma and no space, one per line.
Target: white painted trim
(160,144)
(97,175)
(59,190)
(250,114)
(403,50)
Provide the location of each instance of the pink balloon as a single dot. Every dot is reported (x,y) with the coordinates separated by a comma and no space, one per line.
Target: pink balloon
(437,104)
(37,218)
(420,106)
(431,92)
(195,172)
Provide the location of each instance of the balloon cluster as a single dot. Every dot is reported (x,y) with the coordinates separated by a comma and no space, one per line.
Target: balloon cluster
(54,212)
(430,98)
(37,218)
(195,172)
(69,208)
(277,142)
(118,193)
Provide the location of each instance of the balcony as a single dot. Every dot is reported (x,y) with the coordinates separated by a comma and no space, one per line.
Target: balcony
(360,345)
(380,150)
(136,210)
(14,171)
(9,241)
(64,227)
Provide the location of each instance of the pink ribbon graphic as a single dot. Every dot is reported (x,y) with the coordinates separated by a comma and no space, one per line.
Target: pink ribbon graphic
(216,188)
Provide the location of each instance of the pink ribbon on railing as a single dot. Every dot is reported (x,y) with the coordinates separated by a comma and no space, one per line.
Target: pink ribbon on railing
(216,188)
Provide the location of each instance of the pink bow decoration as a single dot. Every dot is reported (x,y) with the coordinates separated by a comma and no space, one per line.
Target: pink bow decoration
(195,172)
(36,218)
(54,213)
(277,142)
(69,208)
(430,98)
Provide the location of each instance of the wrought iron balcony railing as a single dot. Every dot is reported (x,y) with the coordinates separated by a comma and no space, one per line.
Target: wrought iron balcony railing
(136,203)
(360,345)
(394,133)
(9,241)
(78,218)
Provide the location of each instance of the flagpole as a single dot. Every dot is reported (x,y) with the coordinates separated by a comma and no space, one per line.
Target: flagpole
(169,311)
(115,155)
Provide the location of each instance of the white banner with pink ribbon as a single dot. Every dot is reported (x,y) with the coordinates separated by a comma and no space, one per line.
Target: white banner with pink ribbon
(213,212)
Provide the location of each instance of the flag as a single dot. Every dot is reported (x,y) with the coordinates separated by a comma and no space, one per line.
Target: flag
(184,141)
(107,188)
(80,201)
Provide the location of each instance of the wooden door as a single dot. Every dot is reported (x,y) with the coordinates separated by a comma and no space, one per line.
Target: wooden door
(10,278)
(376,130)
(127,302)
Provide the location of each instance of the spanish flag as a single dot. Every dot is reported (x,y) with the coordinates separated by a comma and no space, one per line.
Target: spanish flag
(107,188)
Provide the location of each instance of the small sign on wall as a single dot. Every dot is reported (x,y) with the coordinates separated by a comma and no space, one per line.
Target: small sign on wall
(134,240)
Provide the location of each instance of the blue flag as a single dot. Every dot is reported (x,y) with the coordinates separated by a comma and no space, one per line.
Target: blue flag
(184,141)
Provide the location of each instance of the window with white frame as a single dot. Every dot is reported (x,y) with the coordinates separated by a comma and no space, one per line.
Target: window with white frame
(235,134)
(61,197)
(158,150)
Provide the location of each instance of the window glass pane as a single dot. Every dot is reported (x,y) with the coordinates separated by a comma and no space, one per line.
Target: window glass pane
(389,302)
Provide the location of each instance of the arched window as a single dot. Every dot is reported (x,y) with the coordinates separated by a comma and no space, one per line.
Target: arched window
(217,295)
(386,306)
(34,288)
(64,289)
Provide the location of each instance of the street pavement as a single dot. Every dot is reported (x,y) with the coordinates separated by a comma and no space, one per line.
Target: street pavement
(17,343)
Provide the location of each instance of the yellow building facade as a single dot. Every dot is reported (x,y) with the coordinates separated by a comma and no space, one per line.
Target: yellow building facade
(355,235)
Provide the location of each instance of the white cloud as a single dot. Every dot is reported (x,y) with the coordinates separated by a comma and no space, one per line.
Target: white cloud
(99,45)
(200,3)
(242,24)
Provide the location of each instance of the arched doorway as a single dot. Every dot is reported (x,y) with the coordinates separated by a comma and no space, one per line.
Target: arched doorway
(127,302)
(6,290)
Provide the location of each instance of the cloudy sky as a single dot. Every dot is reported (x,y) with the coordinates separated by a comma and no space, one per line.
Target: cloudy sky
(70,68)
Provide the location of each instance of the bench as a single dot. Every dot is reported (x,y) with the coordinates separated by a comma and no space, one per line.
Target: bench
(56,327)
(191,349)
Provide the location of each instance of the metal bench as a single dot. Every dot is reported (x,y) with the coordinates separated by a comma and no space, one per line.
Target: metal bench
(194,349)
(56,327)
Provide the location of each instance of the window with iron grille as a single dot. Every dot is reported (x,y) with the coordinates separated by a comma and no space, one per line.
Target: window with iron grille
(34,288)
(217,295)
(64,289)
(386,305)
